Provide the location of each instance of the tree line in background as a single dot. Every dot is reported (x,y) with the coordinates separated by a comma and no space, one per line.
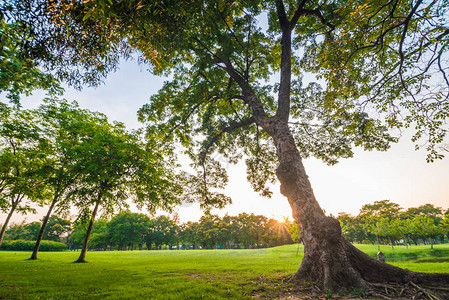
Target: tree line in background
(386,222)
(129,231)
(381,222)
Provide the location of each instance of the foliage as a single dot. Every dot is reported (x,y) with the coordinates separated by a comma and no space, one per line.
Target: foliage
(427,210)
(387,220)
(352,228)
(17,232)
(55,228)
(445,224)
(76,237)
(100,236)
(222,75)
(113,165)
(162,231)
(24,162)
(23,153)
(19,74)
(128,229)
(23,245)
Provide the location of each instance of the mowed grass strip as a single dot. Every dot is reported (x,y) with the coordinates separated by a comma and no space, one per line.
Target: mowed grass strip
(192,274)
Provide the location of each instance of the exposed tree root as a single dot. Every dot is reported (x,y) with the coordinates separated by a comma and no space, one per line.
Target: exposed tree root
(407,291)
(344,269)
(374,291)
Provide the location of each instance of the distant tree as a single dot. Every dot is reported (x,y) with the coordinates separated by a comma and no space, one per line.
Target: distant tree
(56,227)
(403,228)
(16,232)
(429,210)
(190,233)
(377,216)
(444,225)
(208,231)
(33,230)
(388,229)
(76,237)
(162,231)
(128,229)
(382,209)
(424,227)
(294,232)
(225,236)
(100,236)
(352,227)
(250,229)
(277,233)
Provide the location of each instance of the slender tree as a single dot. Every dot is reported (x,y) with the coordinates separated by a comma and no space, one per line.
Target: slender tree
(24,163)
(387,58)
(114,165)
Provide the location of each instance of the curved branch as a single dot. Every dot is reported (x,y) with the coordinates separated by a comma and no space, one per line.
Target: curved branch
(249,96)
(319,15)
(298,13)
(227,129)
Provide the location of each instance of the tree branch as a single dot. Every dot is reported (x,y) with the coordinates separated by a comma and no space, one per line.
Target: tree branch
(319,15)
(227,129)
(282,15)
(286,65)
(249,96)
(298,13)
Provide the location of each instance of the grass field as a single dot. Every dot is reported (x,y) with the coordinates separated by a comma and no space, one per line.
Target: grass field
(193,274)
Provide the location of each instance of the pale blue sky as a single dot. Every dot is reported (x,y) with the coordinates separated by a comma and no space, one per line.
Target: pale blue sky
(400,175)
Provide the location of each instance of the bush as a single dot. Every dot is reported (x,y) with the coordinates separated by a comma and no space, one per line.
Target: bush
(22,245)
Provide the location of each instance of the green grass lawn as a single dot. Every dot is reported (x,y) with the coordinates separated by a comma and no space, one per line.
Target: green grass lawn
(192,274)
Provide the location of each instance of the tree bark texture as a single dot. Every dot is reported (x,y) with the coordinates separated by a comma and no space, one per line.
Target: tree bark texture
(42,230)
(329,259)
(5,225)
(82,257)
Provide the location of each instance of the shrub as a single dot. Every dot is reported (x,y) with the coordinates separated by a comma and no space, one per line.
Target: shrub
(22,245)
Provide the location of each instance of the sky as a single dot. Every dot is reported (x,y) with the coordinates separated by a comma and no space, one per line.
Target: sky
(400,175)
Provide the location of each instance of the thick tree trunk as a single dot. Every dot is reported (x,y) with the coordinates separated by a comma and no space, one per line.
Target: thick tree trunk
(82,257)
(329,259)
(5,225)
(42,230)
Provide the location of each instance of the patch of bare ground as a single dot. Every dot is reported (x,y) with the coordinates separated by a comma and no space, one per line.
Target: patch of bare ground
(288,290)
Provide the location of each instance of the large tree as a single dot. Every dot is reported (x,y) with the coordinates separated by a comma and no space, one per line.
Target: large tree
(238,88)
